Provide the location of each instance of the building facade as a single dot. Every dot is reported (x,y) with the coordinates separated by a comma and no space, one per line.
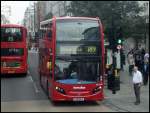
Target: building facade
(40,11)
(4,20)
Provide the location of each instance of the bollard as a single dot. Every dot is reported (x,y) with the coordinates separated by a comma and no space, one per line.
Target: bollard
(114,82)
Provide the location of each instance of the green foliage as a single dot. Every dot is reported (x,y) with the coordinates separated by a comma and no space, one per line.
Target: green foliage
(48,16)
(124,14)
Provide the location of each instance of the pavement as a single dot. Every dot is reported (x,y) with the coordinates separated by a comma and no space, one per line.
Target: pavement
(124,99)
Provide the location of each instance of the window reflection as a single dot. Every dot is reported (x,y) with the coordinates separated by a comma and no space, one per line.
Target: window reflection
(74,72)
(11,34)
(77,30)
(78,52)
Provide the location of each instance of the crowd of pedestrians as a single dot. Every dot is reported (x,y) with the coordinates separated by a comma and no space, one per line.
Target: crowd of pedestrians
(138,57)
(138,61)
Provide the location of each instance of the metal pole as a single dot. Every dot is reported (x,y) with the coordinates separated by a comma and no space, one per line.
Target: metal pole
(145,26)
(113,50)
(34,18)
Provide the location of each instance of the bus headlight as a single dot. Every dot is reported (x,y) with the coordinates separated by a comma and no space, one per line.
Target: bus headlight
(97,89)
(60,90)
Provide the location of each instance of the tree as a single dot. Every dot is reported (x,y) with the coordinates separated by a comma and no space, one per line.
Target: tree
(125,14)
(48,16)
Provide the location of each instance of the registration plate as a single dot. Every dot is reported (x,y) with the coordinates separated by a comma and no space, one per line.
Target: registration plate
(78,99)
(11,71)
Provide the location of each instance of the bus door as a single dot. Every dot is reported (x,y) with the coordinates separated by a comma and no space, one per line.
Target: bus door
(42,57)
(48,60)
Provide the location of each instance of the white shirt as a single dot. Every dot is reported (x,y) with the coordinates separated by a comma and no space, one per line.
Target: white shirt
(137,77)
(146,57)
(130,59)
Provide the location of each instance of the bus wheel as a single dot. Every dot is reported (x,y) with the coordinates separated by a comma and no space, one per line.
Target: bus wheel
(55,103)
(24,74)
(48,94)
(40,80)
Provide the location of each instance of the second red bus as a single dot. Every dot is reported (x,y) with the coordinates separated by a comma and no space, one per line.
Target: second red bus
(13,49)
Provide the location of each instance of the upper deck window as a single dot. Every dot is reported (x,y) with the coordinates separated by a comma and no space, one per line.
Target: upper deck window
(77,30)
(11,34)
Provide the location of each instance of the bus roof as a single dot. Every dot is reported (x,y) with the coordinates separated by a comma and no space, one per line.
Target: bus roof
(67,17)
(12,25)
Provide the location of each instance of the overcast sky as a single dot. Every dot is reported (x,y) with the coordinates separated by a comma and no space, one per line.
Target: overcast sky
(17,9)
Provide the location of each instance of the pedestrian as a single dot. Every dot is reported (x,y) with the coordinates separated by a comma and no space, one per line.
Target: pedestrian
(145,72)
(146,57)
(137,82)
(131,63)
(138,59)
(122,59)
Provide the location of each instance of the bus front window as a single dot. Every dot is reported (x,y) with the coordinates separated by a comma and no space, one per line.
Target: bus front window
(11,34)
(78,52)
(76,72)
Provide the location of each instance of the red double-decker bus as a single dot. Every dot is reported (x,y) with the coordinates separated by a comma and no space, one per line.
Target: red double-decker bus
(13,49)
(71,58)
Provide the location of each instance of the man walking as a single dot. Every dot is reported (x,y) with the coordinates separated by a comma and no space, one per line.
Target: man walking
(145,72)
(131,63)
(137,82)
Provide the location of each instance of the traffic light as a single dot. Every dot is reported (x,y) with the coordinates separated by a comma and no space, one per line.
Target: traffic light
(119,41)
(119,36)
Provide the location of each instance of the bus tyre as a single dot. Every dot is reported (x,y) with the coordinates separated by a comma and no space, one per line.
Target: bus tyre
(48,90)
(40,78)
(54,102)
(24,74)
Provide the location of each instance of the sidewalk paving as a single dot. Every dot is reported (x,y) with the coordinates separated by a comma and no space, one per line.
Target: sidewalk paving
(124,98)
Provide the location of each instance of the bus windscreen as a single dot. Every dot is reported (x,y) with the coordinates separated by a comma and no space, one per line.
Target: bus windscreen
(78,52)
(11,34)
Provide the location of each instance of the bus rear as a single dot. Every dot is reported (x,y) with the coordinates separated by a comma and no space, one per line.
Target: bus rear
(13,49)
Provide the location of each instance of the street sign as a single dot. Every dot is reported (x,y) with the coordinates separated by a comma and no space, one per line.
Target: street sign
(119,47)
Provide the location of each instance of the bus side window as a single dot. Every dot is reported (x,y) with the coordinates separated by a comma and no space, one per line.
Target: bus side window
(41,34)
(49,31)
(49,34)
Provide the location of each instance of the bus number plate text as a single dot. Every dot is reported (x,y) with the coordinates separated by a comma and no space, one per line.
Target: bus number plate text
(78,99)
(11,71)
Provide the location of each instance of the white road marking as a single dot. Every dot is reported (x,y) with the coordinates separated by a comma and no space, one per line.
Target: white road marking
(28,72)
(35,87)
(31,78)
(34,84)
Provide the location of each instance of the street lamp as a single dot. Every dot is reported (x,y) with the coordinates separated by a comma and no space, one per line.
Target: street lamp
(145,9)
